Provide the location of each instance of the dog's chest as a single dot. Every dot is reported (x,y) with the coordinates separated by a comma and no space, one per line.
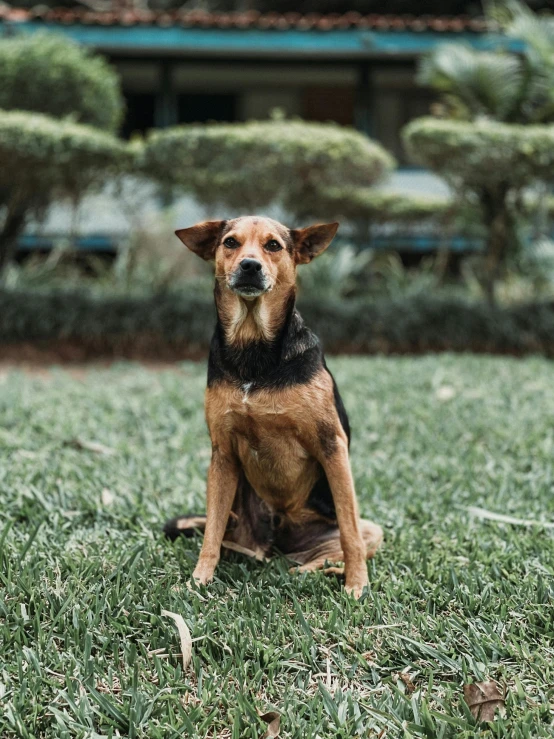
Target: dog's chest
(269,432)
(293,411)
(246,408)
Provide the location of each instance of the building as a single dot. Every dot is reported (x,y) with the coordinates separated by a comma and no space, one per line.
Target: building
(179,67)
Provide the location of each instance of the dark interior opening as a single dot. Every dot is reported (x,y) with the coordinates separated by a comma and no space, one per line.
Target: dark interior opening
(198,107)
(139,114)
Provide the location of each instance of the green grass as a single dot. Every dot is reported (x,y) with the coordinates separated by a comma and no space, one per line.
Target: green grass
(453,599)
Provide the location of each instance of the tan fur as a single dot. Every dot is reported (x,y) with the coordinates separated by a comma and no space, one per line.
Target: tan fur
(222,484)
(274,435)
(250,320)
(330,550)
(278,439)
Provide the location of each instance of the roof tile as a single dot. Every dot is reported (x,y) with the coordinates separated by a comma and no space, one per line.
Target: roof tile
(127,16)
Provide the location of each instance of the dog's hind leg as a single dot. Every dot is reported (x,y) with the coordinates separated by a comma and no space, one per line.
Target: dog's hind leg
(316,544)
(249,528)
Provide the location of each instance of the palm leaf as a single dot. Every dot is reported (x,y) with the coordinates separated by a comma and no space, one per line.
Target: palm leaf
(486,83)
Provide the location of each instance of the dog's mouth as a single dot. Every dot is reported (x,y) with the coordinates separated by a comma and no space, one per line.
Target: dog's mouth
(249,287)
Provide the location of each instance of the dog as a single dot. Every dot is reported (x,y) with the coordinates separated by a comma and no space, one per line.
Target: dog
(279,477)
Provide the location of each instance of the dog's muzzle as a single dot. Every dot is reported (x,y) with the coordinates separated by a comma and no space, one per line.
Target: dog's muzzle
(249,280)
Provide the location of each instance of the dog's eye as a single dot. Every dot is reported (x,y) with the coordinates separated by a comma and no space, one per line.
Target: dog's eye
(231,243)
(273,245)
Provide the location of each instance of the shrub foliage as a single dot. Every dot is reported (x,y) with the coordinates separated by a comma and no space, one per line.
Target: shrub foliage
(482,155)
(49,74)
(177,325)
(63,157)
(251,165)
(486,150)
(45,159)
(49,89)
(492,163)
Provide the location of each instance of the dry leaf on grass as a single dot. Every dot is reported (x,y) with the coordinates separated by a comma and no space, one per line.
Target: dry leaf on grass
(484,699)
(91,446)
(445,392)
(184,636)
(273,720)
(106,497)
(407,680)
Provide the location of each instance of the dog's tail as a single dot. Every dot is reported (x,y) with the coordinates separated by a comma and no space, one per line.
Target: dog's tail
(189,525)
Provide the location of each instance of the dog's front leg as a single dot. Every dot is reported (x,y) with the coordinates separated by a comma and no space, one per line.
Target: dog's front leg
(222,487)
(337,468)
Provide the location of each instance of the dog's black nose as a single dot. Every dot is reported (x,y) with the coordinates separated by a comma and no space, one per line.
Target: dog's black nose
(251,266)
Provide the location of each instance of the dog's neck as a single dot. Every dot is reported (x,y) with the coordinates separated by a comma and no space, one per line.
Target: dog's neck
(247,321)
(263,344)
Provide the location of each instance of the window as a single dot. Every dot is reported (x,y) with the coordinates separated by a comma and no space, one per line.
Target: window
(196,107)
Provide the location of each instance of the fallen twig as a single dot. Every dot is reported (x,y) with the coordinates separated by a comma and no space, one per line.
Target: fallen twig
(502,518)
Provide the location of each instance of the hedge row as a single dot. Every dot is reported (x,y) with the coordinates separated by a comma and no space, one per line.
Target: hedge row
(182,326)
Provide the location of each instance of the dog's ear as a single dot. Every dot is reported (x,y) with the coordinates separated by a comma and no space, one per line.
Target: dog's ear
(311,241)
(203,238)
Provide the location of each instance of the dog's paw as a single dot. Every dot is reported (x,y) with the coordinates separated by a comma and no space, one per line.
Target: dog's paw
(356,591)
(200,577)
(356,583)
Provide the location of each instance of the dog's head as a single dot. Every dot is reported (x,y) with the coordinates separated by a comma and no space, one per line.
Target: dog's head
(254,255)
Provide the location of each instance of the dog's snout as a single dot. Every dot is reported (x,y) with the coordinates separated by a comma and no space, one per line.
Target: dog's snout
(249,278)
(250,266)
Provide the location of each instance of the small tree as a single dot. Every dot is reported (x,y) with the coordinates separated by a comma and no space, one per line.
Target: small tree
(47,157)
(492,162)
(252,165)
(498,142)
(43,160)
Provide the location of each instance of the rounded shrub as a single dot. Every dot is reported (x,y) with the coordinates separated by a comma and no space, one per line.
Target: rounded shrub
(356,203)
(62,156)
(49,74)
(482,153)
(251,165)
(44,159)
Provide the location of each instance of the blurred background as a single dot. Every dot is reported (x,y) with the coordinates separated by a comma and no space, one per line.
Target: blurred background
(428,135)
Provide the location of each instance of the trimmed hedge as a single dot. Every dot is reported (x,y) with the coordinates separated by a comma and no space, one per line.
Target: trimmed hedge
(52,75)
(177,325)
(375,206)
(484,153)
(251,165)
(43,158)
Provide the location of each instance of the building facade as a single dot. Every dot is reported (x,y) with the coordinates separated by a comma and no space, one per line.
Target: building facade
(183,67)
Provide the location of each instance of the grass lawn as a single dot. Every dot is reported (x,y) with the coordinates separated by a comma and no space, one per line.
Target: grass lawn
(454,599)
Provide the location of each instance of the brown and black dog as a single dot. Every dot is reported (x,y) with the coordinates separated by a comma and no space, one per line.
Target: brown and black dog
(279,477)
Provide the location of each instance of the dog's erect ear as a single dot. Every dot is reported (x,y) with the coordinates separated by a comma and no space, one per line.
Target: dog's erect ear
(203,238)
(311,241)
